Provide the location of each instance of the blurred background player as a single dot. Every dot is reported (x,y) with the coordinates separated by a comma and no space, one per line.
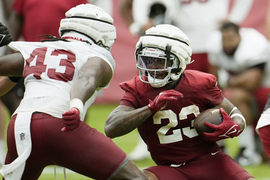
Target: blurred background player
(61,82)
(240,60)
(140,15)
(163,102)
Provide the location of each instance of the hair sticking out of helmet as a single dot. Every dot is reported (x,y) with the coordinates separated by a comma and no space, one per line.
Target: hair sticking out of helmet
(90,23)
(171,44)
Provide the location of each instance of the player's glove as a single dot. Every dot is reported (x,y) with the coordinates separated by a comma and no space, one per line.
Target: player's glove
(227,129)
(5,37)
(71,119)
(162,100)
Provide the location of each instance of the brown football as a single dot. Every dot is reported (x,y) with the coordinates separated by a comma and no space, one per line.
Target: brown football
(212,116)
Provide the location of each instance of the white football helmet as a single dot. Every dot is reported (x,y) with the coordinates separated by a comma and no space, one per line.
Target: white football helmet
(167,46)
(89,21)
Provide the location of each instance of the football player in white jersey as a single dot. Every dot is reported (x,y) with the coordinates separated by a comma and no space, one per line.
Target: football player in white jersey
(239,57)
(62,77)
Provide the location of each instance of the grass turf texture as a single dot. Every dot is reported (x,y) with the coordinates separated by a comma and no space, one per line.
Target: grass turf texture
(96,118)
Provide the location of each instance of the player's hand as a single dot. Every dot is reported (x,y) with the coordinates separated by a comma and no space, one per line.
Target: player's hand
(162,100)
(5,37)
(71,119)
(227,129)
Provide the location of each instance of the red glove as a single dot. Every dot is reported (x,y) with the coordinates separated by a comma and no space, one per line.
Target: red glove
(71,119)
(162,99)
(227,129)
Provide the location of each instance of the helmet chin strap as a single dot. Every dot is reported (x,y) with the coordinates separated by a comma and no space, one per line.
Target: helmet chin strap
(175,74)
(157,83)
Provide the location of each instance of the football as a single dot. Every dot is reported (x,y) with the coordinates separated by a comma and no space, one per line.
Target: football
(212,116)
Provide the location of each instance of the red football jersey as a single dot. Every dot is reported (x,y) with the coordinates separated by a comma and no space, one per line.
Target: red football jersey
(172,129)
(42,17)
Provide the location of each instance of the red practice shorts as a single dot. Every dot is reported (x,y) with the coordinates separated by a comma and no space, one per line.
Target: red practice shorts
(210,166)
(83,150)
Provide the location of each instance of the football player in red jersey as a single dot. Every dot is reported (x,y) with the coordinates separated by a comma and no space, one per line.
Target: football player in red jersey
(62,77)
(163,101)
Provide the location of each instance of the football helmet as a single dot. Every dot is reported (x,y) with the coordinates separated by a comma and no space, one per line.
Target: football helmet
(90,22)
(162,55)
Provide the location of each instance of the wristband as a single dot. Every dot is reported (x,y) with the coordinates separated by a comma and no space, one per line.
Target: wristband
(232,111)
(77,103)
(241,116)
(238,115)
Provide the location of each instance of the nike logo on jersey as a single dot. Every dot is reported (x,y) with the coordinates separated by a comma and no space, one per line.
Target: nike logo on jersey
(214,153)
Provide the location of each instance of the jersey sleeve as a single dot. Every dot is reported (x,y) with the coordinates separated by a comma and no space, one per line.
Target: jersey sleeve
(212,93)
(207,91)
(129,98)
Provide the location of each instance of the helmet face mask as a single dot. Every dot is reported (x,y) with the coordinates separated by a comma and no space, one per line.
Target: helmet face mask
(162,55)
(155,67)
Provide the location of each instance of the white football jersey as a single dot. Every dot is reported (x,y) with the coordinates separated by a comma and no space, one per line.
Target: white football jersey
(252,50)
(50,70)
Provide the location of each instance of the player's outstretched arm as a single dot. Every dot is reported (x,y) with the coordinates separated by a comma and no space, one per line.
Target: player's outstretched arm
(125,119)
(94,73)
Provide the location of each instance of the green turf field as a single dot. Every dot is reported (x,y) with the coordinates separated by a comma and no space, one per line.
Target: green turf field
(96,118)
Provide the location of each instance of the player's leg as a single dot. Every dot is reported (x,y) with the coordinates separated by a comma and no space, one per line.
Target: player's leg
(227,168)
(37,160)
(164,173)
(202,168)
(88,152)
(150,175)
(129,171)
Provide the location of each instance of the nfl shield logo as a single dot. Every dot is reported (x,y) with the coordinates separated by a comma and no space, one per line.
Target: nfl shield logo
(22,136)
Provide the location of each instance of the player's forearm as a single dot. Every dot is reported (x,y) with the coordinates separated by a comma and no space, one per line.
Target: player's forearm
(83,90)
(125,119)
(237,117)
